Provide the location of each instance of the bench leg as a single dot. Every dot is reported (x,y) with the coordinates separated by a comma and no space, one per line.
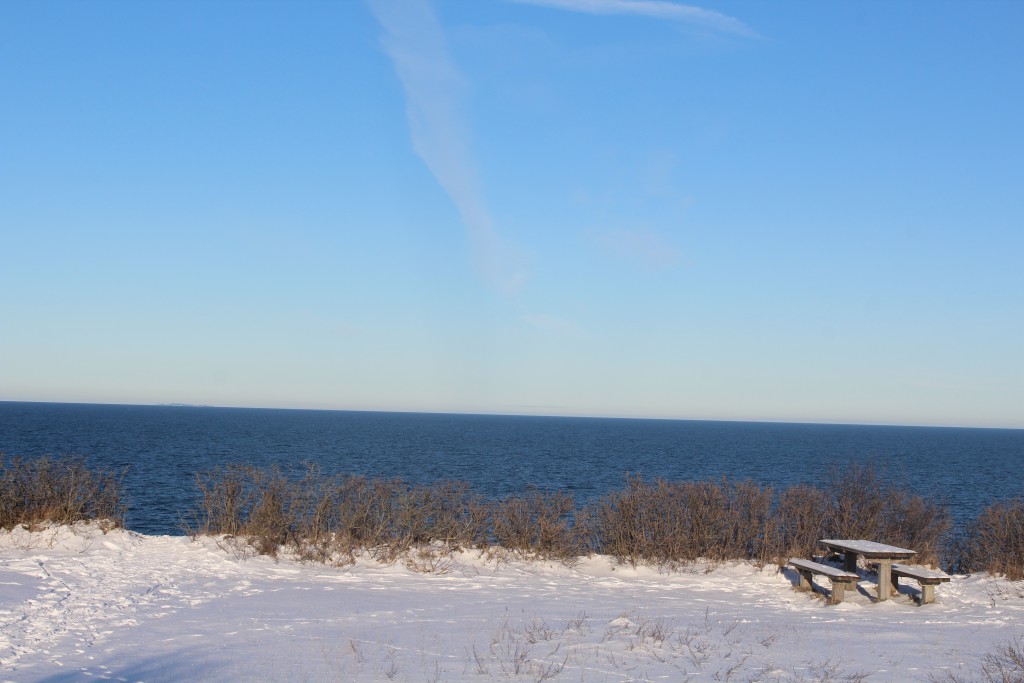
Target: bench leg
(927,594)
(838,591)
(805,580)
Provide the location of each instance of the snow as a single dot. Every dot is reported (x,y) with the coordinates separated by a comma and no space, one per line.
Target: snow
(866,547)
(78,604)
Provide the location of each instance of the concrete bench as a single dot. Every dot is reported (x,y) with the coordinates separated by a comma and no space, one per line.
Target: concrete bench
(841,580)
(927,578)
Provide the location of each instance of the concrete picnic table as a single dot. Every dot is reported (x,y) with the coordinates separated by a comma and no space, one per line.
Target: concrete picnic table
(879,553)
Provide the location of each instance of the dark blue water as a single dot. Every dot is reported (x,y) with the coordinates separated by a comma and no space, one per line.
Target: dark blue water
(164,446)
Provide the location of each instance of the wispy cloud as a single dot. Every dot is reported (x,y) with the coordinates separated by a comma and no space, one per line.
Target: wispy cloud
(415,42)
(658,9)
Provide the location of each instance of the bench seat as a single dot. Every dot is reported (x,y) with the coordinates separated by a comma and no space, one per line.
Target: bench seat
(926,577)
(841,580)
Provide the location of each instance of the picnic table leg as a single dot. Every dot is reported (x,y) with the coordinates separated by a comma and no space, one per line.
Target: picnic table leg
(884,579)
(849,561)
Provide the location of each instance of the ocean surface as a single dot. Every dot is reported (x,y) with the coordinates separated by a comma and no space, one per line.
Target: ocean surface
(163,448)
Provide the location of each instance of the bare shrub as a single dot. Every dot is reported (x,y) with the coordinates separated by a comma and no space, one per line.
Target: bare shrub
(994,541)
(863,504)
(682,522)
(1004,665)
(537,523)
(254,506)
(746,522)
(619,522)
(913,521)
(641,523)
(857,498)
(663,522)
(672,522)
(61,490)
(316,516)
(364,512)
(330,519)
(271,522)
(345,514)
(223,501)
(797,523)
(701,526)
(446,513)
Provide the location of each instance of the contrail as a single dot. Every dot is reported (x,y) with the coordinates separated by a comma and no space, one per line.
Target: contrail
(659,9)
(415,42)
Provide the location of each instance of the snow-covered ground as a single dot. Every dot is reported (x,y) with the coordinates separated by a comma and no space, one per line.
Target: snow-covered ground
(83,605)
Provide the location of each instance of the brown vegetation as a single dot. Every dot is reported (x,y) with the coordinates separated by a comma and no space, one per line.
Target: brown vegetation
(45,490)
(333,518)
(862,504)
(994,541)
(656,522)
(679,522)
(537,524)
(330,518)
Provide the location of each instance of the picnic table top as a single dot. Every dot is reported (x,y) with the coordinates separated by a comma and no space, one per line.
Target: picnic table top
(869,549)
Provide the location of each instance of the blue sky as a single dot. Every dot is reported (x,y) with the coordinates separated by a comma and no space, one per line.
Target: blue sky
(759,211)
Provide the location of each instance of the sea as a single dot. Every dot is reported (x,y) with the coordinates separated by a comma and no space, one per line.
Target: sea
(163,447)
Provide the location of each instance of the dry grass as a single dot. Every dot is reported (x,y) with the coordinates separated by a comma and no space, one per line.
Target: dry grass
(1003,665)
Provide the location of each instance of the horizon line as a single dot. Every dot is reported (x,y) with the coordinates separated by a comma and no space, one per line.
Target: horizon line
(589,416)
